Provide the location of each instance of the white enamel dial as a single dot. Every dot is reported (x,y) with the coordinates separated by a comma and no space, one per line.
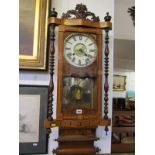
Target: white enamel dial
(80,49)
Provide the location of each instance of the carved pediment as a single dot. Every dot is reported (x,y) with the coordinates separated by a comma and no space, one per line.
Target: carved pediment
(80,12)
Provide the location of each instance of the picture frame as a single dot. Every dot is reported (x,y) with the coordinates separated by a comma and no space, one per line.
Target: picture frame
(33,27)
(119,83)
(32,113)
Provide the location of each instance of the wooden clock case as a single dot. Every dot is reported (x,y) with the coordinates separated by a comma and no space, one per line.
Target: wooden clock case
(77,132)
(93,71)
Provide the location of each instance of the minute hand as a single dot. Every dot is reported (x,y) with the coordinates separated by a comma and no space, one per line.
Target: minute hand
(83,51)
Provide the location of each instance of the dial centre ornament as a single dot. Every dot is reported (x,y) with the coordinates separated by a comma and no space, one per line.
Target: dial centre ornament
(80,49)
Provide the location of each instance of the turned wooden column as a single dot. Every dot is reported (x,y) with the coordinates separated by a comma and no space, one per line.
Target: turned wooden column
(53,13)
(106,69)
(51,48)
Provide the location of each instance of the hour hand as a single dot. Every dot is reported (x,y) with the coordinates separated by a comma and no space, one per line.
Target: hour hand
(81,50)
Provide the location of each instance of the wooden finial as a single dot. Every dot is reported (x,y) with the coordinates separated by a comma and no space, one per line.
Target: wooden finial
(107,18)
(53,13)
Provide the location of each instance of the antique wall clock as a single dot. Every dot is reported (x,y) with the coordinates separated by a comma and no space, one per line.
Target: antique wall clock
(80,75)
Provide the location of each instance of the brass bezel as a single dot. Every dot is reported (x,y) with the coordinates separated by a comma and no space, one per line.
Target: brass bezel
(92,36)
(83,33)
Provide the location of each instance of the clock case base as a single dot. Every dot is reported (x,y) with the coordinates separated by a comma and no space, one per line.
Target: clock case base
(76,141)
(93,72)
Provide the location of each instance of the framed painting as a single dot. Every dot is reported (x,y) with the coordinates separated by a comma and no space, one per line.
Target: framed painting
(32,113)
(119,83)
(33,23)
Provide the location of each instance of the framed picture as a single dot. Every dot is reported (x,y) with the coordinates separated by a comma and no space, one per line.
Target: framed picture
(32,113)
(33,23)
(119,83)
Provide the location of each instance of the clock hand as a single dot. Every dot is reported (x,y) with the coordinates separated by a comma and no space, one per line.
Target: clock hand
(88,55)
(83,51)
(83,47)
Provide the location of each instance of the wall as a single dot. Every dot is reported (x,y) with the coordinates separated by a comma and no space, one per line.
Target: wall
(124,54)
(124,28)
(124,34)
(38,78)
(124,45)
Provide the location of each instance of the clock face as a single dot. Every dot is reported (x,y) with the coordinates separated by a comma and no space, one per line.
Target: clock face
(80,49)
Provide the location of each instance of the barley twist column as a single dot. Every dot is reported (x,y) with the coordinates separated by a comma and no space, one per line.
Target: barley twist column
(106,69)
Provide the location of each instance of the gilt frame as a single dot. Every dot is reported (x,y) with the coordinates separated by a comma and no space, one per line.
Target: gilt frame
(119,82)
(33,54)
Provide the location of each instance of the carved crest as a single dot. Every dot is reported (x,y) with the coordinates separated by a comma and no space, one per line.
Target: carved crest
(80,12)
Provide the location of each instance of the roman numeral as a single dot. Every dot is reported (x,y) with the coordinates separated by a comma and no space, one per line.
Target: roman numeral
(80,37)
(92,50)
(66,48)
(69,42)
(69,55)
(86,39)
(79,62)
(73,59)
(87,61)
(90,56)
(74,38)
(90,44)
